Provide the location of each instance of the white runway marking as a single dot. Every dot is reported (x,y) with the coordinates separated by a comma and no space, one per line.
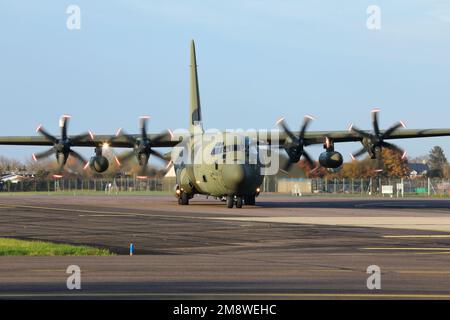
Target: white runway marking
(389,204)
(418,236)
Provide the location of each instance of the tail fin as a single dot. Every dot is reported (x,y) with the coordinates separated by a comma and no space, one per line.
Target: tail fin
(195,110)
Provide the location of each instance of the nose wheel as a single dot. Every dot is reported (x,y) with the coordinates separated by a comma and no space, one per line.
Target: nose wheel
(230,202)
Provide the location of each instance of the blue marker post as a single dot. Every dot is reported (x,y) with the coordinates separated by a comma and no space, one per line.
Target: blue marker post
(131,249)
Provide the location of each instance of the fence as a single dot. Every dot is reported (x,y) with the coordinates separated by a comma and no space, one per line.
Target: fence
(374,186)
(383,186)
(394,187)
(127,184)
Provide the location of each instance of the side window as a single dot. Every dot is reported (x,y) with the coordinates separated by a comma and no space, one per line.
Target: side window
(218,149)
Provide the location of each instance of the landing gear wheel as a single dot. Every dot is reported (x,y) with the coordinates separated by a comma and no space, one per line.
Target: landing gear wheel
(239,202)
(249,200)
(230,202)
(184,199)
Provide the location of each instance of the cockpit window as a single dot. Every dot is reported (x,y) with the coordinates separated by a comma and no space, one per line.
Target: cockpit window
(220,148)
(235,147)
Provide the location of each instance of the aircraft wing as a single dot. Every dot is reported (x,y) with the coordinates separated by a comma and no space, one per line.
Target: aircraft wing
(319,137)
(98,140)
(313,137)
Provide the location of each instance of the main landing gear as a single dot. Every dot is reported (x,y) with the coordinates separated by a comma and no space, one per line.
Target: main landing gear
(239,201)
(183,199)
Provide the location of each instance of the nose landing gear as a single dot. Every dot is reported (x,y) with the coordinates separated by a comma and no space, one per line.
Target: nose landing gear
(230,202)
(239,202)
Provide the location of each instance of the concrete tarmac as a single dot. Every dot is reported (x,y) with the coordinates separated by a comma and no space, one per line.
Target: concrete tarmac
(282,248)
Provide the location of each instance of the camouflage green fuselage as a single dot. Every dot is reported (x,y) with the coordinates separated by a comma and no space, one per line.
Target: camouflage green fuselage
(226,171)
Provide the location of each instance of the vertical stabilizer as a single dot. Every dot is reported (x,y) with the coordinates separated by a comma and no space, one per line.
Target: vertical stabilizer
(195,110)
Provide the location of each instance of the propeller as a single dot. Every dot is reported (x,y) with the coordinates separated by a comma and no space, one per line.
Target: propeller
(142,147)
(62,146)
(296,147)
(373,142)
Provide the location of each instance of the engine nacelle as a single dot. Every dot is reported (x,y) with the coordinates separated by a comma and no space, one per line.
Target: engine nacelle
(331,159)
(99,164)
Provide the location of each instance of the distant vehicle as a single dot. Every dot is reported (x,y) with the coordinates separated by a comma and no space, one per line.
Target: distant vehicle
(15,177)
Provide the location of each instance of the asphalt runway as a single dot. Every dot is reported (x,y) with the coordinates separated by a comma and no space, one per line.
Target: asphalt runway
(283,248)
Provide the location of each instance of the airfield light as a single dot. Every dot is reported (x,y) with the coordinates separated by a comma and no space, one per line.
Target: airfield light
(105,145)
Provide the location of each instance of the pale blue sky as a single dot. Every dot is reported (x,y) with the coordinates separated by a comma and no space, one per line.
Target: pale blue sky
(258,60)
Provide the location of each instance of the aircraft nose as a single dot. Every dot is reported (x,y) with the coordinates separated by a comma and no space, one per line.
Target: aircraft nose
(233,175)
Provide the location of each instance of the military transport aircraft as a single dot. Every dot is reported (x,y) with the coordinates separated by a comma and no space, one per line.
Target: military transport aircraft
(236,181)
